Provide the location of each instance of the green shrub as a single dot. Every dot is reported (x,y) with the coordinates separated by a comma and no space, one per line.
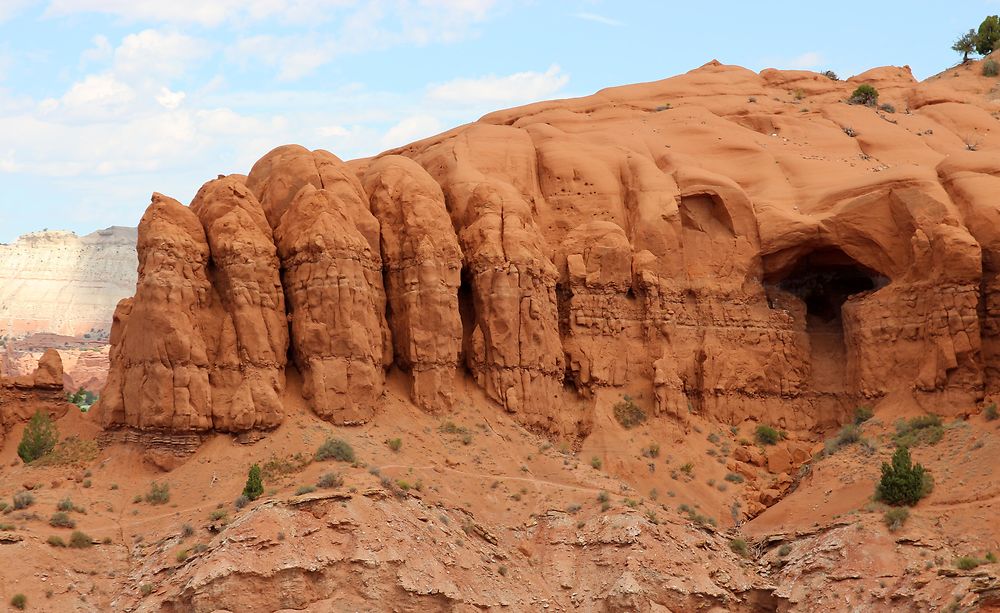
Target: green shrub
(158,494)
(60,519)
(653,451)
(967,562)
(23,500)
(990,68)
(218,515)
(903,482)
(330,480)
(922,430)
(829,74)
(895,518)
(734,478)
(39,438)
(739,546)
(766,435)
(784,550)
(991,557)
(305,489)
(628,413)
(887,108)
(19,601)
(66,504)
(990,412)
(864,94)
(848,435)
(395,444)
(862,414)
(56,541)
(335,449)
(596,462)
(988,35)
(254,486)
(687,468)
(79,540)
(603,497)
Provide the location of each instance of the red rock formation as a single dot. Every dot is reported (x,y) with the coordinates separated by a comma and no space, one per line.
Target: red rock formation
(422,268)
(706,240)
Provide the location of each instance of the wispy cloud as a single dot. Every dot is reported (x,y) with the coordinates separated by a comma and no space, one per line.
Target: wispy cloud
(516,88)
(809,59)
(608,21)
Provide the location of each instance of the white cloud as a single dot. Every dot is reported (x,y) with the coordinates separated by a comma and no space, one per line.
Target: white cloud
(170,100)
(517,88)
(10,8)
(97,94)
(810,59)
(608,21)
(332,131)
(411,129)
(152,53)
(100,52)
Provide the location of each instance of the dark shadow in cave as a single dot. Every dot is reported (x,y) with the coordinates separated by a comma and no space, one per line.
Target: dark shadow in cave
(824,280)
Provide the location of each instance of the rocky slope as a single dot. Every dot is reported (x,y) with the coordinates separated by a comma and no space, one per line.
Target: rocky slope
(478,313)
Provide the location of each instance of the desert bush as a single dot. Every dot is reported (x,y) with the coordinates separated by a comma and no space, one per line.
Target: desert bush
(187,530)
(603,497)
(887,108)
(66,504)
(903,482)
(395,444)
(990,412)
(335,449)
(862,414)
(628,413)
(739,546)
(766,435)
(23,500)
(61,519)
(922,430)
(990,68)
(79,540)
(182,555)
(864,94)
(784,550)
(734,477)
(895,518)
(829,74)
(218,514)
(19,601)
(158,494)
(653,451)
(254,486)
(241,501)
(56,541)
(39,438)
(967,562)
(305,489)
(687,468)
(848,435)
(330,480)
(596,462)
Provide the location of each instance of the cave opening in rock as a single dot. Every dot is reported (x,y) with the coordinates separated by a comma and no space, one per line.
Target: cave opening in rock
(824,280)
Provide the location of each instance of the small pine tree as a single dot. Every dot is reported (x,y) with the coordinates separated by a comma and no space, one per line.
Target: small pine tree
(39,438)
(903,482)
(966,44)
(865,94)
(254,487)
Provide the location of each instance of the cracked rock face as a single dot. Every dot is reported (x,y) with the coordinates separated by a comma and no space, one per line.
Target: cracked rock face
(717,256)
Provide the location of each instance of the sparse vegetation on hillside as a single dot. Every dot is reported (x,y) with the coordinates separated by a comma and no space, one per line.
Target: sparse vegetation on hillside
(23,500)
(158,494)
(991,68)
(862,414)
(19,601)
(895,518)
(767,435)
(864,94)
(829,74)
(739,547)
(628,413)
(79,540)
(903,482)
(335,449)
(254,486)
(990,412)
(922,430)
(395,444)
(39,438)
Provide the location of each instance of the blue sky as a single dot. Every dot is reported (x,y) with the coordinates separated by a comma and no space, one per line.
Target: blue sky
(104,101)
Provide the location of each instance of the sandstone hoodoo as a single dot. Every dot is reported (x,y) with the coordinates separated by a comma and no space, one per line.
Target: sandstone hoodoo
(740,245)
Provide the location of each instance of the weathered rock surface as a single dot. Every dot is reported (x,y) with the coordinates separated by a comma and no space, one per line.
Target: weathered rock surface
(724,247)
